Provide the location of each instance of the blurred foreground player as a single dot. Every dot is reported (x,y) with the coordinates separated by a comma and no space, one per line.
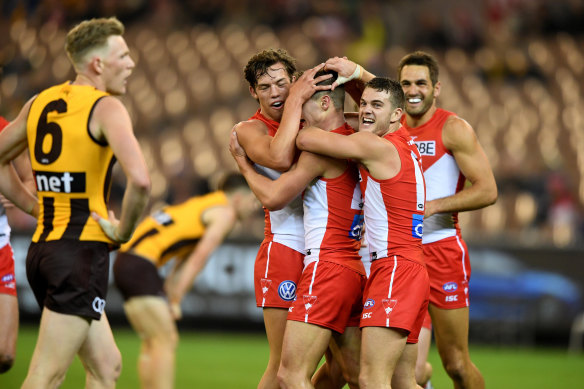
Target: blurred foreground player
(188,232)
(74,132)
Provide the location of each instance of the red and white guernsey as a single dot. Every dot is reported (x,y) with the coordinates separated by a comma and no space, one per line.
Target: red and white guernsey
(333,217)
(4,227)
(394,208)
(286,225)
(443,177)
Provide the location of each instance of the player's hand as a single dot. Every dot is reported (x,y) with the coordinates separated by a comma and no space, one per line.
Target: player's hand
(347,70)
(109,226)
(235,148)
(7,204)
(306,85)
(176,311)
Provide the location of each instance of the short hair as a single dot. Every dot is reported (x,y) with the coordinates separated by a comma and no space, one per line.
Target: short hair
(420,58)
(337,95)
(392,87)
(258,65)
(90,34)
(231,182)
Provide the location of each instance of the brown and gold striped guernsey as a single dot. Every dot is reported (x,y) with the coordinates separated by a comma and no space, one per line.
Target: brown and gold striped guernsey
(72,169)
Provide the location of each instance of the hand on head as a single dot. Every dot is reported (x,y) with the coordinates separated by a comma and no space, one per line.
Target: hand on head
(306,85)
(347,70)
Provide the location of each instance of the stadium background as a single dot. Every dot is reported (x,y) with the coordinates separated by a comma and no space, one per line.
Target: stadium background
(514,69)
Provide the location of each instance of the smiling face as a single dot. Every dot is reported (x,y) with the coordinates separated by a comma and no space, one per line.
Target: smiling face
(375,111)
(418,89)
(117,65)
(272,90)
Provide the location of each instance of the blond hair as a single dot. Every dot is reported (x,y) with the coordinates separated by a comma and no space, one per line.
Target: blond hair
(89,35)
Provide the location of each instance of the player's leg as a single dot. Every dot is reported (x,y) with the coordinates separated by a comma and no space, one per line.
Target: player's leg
(100,356)
(275,323)
(151,318)
(60,337)
(8,329)
(381,349)
(404,374)
(329,375)
(303,347)
(346,348)
(423,367)
(451,334)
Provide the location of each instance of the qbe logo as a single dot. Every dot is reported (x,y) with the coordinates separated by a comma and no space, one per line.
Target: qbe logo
(287,290)
(417,225)
(427,147)
(98,305)
(369,304)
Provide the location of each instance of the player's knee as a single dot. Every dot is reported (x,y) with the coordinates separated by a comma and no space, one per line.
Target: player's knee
(351,376)
(6,362)
(456,369)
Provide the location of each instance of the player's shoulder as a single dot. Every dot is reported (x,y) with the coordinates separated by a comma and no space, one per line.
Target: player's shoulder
(457,132)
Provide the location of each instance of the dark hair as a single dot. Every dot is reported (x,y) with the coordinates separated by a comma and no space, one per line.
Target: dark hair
(258,65)
(232,182)
(392,87)
(420,58)
(90,34)
(337,95)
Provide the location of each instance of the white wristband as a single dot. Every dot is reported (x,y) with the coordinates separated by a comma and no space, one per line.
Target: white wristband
(356,74)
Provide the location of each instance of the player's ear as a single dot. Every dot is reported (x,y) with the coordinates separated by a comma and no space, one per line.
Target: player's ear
(253,92)
(437,89)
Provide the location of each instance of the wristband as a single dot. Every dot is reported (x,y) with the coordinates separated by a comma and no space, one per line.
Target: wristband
(358,73)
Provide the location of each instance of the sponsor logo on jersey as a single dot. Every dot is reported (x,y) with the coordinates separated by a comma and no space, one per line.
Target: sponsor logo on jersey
(450,287)
(287,290)
(417,225)
(162,218)
(356,227)
(98,305)
(369,303)
(8,278)
(427,147)
(60,182)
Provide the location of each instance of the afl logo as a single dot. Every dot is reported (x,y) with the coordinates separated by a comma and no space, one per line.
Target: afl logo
(287,290)
(369,304)
(450,287)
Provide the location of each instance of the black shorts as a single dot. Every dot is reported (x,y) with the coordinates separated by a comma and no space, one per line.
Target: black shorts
(69,276)
(137,276)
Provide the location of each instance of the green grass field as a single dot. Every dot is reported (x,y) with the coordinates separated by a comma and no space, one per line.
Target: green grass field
(233,361)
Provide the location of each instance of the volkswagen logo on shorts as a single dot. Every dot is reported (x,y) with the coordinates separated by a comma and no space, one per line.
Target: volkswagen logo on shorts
(98,305)
(287,290)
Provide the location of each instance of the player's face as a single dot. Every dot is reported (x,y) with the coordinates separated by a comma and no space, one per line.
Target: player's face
(272,90)
(117,65)
(375,111)
(418,89)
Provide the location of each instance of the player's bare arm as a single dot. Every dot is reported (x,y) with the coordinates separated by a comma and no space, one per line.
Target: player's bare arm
(110,121)
(278,152)
(276,194)
(376,154)
(218,221)
(353,75)
(13,142)
(459,137)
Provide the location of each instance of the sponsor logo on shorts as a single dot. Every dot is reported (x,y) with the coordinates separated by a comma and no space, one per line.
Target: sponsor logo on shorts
(309,301)
(369,304)
(287,290)
(265,284)
(452,298)
(450,287)
(366,315)
(8,278)
(417,225)
(98,305)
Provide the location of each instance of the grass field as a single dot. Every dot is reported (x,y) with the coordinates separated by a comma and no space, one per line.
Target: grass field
(234,361)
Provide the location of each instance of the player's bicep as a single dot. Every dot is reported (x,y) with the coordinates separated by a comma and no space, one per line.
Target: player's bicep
(256,143)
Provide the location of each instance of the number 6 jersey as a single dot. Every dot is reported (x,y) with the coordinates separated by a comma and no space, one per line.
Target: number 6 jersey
(72,169)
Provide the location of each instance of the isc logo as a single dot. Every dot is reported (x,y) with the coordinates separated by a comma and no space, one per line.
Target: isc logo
(427,147)
(60,182)
(451,298)
(367,315)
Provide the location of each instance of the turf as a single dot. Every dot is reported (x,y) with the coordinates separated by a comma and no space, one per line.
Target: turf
(233,361)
